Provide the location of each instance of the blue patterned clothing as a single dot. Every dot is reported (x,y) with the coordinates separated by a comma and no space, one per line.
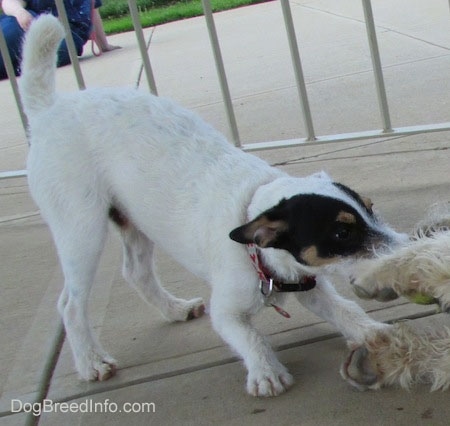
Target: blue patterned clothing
(78,14)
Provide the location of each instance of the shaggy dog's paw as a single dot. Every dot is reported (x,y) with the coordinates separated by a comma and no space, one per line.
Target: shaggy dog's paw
(358,370)
(269,382)
(364,288)
(444,306)
(371,280)
(404,354)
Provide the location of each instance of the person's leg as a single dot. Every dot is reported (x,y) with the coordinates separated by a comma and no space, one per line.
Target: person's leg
(13,35)
(63,51)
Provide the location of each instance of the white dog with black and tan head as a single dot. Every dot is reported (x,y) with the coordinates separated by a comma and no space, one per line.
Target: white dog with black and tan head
(167,178)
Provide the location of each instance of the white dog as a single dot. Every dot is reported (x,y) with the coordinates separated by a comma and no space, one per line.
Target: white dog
(167,178)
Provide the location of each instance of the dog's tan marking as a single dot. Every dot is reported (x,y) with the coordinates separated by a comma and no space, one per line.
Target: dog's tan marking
(367,202)
(310,256)
(345,217)
(264,231)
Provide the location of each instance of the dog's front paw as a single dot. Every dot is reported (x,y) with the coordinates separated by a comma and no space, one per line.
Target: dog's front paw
(96,367)
(269,382)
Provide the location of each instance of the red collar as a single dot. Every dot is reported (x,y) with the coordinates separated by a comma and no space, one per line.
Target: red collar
(307,282)
(268,285)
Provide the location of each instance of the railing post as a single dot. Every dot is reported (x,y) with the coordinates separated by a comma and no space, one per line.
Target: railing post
(298,70)
(142,46)
(221,71)
(70,44)
(12,79)
(376,66)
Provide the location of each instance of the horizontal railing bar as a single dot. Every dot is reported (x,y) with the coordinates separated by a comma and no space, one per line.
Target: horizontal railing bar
(11,174)
(342,137)
(290,143)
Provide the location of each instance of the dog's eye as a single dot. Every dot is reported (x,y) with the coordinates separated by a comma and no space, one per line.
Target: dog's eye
(342,233)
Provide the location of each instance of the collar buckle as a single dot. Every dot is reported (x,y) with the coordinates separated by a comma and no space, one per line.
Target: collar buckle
(267,285)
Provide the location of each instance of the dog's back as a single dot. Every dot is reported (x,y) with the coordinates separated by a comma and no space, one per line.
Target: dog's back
(129,149)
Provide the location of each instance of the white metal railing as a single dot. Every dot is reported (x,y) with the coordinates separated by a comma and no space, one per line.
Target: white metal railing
(310,138)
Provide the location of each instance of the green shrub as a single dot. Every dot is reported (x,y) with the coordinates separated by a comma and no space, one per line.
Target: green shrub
(119,8)
(116,17)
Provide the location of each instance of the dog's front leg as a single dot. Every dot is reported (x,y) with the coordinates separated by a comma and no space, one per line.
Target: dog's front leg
(230,314)
(348,317)
(356,326)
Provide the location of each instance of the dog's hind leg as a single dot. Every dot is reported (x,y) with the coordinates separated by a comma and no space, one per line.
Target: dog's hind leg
(79,249)
(139,271)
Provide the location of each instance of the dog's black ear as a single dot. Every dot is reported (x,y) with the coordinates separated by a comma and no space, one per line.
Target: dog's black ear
(261,231)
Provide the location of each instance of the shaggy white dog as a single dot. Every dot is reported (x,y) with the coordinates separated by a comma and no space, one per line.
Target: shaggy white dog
(420,270)
(165,177)
(419,266)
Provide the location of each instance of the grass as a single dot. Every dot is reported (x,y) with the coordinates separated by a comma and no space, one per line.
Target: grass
(116,17)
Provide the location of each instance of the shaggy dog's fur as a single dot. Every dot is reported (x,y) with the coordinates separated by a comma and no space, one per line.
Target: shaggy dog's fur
(167,178)
(419,266)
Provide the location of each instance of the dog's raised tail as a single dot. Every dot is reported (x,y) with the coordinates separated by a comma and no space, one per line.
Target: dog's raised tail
(37,84)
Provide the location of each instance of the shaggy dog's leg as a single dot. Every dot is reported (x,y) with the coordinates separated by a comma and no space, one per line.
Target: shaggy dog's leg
(138,270)
(403,356)
(382,354)
(421,266)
